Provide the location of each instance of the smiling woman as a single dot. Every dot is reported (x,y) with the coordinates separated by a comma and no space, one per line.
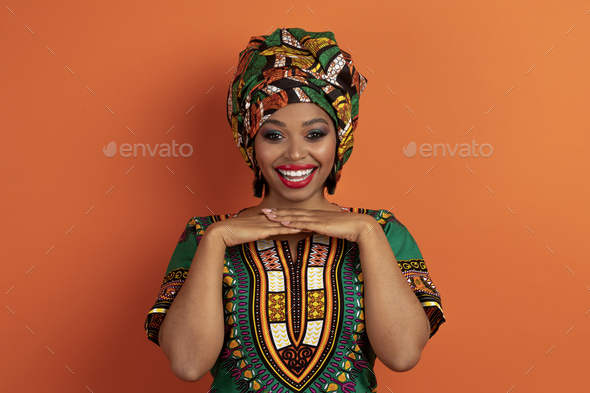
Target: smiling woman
(296,294)
(292,156)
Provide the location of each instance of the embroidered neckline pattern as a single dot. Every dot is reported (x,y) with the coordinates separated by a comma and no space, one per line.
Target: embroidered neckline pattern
(293,323)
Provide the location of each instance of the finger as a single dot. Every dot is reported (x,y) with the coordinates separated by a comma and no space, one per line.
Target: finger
(278,225)
(295,211)
(271,217)
(291,216)
(290,211)
(303,225)
(282,230)
(289,230)
(299,220)
(286,217)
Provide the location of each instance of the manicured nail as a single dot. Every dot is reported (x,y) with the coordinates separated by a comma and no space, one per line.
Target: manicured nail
(267,210)
(284,222)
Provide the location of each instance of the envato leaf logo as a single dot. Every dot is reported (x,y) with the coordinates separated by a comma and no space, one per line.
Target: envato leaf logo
(465,150)
(410,150)
(110,150)
(163,150)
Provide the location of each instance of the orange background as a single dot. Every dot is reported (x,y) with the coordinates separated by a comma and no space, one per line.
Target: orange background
(86,239)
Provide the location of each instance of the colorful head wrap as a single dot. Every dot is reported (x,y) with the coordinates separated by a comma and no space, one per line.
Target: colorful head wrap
(292,65)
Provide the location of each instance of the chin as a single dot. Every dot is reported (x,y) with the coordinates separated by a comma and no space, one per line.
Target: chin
(297,195)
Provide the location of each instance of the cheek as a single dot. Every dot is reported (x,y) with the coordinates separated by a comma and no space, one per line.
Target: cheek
(326,153)
(265,154)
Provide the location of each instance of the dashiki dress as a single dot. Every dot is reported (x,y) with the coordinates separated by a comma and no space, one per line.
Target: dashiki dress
(294,319)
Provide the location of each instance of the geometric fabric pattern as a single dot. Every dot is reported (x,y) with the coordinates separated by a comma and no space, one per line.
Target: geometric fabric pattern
(294,319)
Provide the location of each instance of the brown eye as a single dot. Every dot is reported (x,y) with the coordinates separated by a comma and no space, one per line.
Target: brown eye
(272,135)
(316,134)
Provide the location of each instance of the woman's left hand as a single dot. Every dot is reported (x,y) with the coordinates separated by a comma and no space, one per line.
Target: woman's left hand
(349,226)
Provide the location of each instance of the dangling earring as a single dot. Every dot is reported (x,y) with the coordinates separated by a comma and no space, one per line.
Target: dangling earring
(331,181)
(258,183)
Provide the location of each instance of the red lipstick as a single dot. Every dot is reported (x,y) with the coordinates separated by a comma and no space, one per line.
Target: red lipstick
(296,167)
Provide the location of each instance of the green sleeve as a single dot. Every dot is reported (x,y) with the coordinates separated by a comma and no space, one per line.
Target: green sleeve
(410,261)
(174,278)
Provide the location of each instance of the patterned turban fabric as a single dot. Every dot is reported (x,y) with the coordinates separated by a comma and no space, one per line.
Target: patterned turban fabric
(288,66)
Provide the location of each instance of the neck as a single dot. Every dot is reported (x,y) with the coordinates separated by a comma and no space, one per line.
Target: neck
(317,201)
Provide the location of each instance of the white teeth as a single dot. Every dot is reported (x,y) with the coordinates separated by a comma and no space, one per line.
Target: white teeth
(293,175)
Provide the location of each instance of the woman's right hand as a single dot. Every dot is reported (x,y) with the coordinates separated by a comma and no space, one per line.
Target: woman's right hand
(240,230)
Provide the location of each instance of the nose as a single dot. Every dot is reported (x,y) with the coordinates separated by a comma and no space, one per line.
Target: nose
(295,149)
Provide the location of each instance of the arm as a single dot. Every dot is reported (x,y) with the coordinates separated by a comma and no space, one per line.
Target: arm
(191,335)
(396,323)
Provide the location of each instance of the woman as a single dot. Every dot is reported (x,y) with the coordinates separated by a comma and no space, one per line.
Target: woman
(276,299)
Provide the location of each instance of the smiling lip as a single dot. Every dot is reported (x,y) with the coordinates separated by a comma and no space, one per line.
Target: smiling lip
(296,167)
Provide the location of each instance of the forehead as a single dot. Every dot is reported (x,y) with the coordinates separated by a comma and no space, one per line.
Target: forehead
(300,109)
(296,113)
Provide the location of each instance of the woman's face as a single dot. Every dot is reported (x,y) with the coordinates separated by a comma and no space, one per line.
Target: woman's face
(295,149)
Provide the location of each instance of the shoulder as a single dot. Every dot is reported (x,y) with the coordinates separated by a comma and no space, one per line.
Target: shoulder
(383,216)
(197,225)
(205,221)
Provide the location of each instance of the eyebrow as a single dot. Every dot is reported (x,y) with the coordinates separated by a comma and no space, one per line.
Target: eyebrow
(304,124)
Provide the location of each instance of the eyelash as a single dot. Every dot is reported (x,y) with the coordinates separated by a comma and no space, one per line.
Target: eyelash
(319,134)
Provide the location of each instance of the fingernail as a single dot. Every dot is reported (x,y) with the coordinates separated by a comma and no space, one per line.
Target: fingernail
(284,222)
(267,210)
